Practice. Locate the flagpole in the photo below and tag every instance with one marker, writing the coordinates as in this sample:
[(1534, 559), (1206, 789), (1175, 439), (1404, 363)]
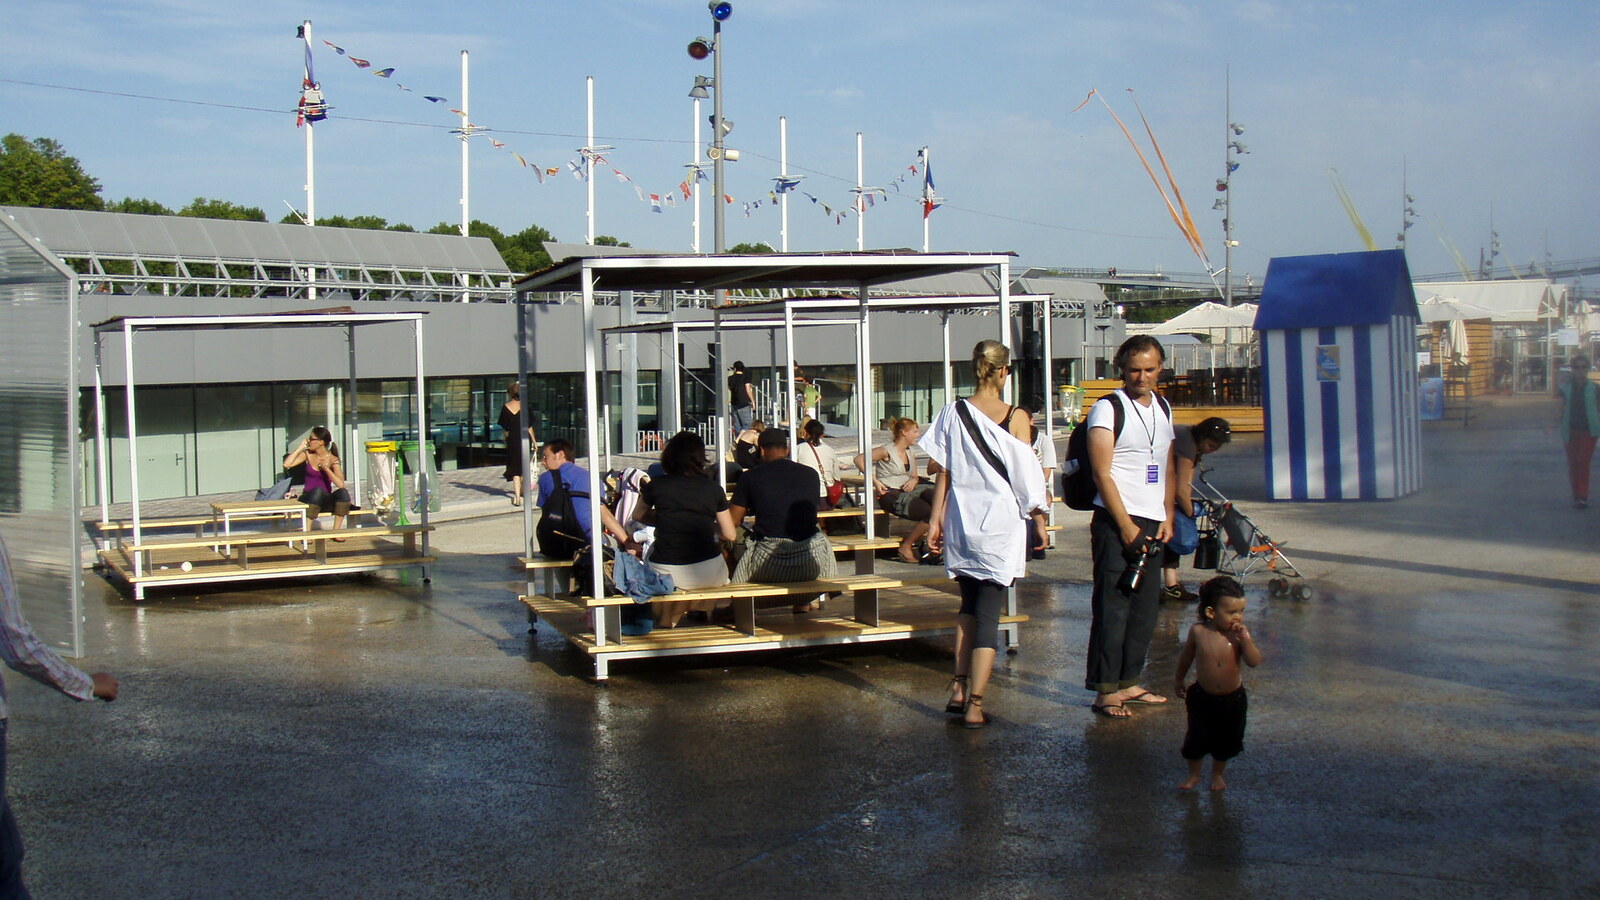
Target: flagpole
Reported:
[(311, 167), (588, 157), (925, 216), (783, 173), (466, 133), (861, 202), (694, 175)]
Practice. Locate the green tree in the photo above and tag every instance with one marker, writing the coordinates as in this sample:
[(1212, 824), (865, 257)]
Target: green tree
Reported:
[(371, 223), (142, 205), (40, 173), (207, 208), (606, 240), (751, 248), (524, 251)]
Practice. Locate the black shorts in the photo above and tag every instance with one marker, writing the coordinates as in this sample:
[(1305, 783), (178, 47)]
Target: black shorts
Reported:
[(1216, 724)]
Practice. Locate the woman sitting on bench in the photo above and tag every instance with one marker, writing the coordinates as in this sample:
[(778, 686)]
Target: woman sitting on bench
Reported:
[(898, 487), (690, 513), (324, 489)]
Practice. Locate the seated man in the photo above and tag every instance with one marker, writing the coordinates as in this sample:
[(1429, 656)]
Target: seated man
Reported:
[(785, 544), (558, 538)]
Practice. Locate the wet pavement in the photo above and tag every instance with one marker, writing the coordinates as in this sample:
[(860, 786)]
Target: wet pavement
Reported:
[(1426, 725)]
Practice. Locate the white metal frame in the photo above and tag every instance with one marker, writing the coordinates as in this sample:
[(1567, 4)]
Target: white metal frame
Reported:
[(804, 270), (128, 326)]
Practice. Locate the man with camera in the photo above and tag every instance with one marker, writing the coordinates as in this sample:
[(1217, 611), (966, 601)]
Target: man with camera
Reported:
[(1130, 456)]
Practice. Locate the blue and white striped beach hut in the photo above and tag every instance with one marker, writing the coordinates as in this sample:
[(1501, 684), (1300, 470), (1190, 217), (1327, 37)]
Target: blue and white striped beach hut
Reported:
[(1339, 376)]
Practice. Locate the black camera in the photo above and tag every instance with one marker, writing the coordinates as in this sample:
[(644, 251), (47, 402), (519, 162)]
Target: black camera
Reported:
[(1133, 575)]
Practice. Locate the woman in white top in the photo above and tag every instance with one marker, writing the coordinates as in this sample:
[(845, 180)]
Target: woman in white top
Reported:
[(988, 487), (814, 454)]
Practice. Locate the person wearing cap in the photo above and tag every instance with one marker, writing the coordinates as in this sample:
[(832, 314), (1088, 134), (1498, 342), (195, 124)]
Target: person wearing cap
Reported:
[(1580, 426), (784, 544), (1190, 444)]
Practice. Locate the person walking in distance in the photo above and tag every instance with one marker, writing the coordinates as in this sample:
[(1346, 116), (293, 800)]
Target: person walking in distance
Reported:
[(1580, 426)]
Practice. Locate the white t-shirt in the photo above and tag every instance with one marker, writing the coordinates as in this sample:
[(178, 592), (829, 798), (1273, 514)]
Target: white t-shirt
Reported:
[(1145, 441), (1045, 450)]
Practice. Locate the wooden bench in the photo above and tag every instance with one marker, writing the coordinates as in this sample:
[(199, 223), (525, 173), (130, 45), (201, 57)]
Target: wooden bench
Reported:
[(885, 607), (1242, 419), (266, 554), (556, 573)]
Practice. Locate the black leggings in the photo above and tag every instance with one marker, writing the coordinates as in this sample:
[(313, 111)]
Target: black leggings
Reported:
[(983, 601), (337, 502)]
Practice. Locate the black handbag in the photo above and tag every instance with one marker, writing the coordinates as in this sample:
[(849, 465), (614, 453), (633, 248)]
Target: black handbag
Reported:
[(1208, 549)]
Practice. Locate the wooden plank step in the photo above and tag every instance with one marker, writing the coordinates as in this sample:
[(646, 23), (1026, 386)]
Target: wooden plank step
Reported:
[(219, 570), (277, 536)]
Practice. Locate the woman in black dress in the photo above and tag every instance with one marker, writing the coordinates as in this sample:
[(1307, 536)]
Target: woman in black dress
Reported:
[(516, 455)]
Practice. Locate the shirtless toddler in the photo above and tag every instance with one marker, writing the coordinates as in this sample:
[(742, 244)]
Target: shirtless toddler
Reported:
[(1216, 701)]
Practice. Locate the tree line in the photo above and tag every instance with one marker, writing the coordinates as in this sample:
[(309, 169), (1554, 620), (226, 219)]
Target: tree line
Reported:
[(40, 173)]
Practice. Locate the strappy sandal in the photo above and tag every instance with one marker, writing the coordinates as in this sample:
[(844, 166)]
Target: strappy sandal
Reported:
[(975, 700), (956, 708)]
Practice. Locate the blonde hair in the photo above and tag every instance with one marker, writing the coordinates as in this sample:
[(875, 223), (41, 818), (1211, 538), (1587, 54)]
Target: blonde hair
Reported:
[(514, 391), (988, 359)]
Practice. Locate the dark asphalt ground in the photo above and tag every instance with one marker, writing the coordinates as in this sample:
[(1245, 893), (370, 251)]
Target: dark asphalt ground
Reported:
[(1428, 725)]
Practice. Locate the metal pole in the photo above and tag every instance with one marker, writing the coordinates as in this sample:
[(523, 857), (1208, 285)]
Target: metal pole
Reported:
[(588, 163), (353, 421), (949, 376), (133, 439), (718, 367), (791, 405), (718, 233), (694, 177), (783, 171), (861, 197), (1005, 317), (311, 181), (424, 488), (102, 462), (864, 405), (522, 423), (591, 423), (466, 133), (1227, 194), (925, 218)]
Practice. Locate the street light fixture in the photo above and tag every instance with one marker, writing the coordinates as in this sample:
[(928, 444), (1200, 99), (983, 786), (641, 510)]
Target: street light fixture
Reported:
[(699, 49)]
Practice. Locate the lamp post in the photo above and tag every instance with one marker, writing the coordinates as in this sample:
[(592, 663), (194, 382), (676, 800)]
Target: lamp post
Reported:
[(1230, 164), (700, 48)]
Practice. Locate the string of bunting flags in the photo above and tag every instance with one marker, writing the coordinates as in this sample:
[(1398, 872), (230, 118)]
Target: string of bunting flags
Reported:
[(313, 108)]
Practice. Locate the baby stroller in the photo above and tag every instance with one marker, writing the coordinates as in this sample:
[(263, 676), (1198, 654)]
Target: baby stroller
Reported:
[(1249, 549)]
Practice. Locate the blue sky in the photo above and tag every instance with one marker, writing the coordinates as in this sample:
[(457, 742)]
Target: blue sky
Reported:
[(1493, 107)]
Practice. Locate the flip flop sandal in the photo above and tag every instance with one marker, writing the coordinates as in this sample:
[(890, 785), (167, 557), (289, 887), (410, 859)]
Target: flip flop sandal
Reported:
[(1140, 698), (1106, 711)]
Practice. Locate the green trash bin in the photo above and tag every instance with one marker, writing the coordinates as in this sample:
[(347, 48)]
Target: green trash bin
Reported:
[(417, 459)]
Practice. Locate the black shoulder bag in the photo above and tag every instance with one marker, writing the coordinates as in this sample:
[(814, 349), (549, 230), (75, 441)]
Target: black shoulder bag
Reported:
[(983, 445)]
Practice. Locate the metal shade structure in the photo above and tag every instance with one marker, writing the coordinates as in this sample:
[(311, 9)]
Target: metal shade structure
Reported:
[(852, 273), (128, 326)]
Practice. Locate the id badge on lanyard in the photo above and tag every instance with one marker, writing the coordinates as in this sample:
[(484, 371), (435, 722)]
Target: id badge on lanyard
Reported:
[(1152, 474)]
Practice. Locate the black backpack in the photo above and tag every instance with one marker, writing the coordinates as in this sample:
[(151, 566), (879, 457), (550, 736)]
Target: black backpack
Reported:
[(559, 531), (1078, 489)]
